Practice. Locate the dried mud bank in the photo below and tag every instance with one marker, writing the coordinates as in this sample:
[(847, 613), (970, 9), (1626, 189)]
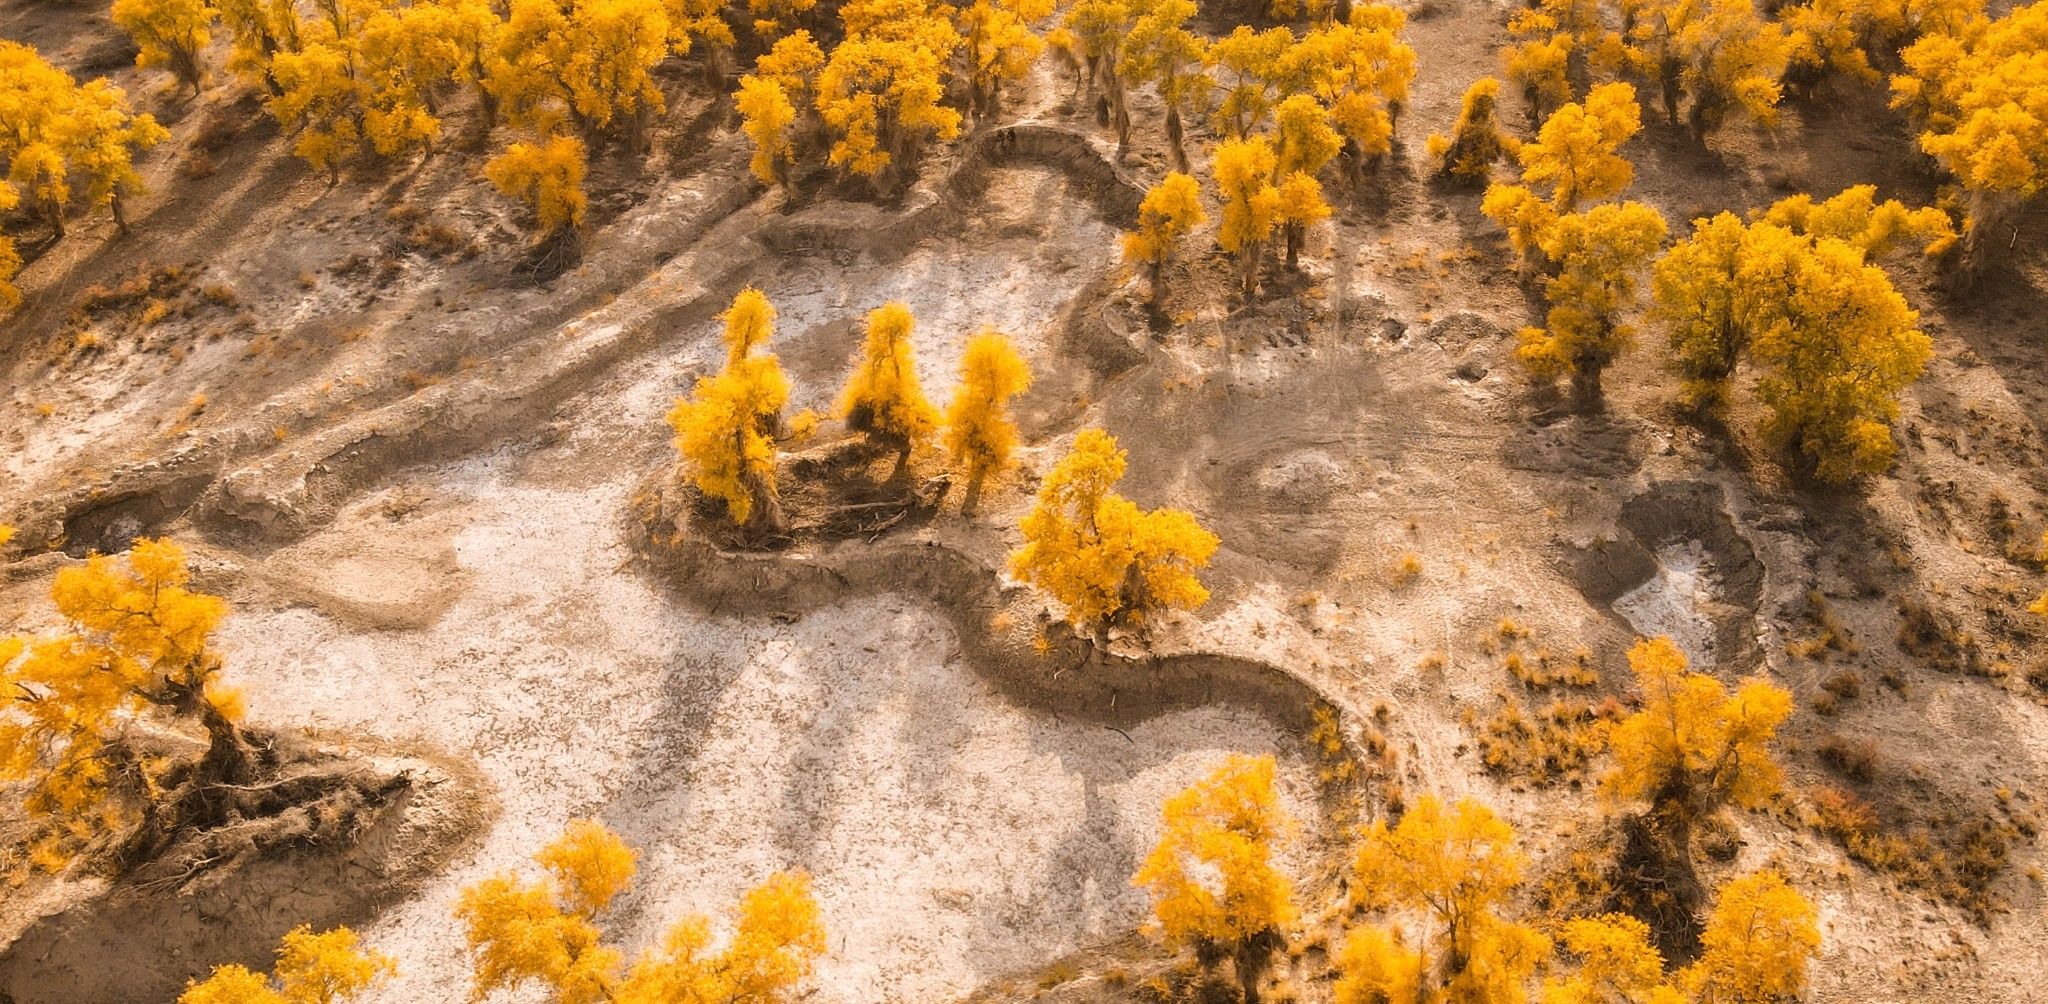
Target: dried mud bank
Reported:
[(141, 937), (1003, 631)]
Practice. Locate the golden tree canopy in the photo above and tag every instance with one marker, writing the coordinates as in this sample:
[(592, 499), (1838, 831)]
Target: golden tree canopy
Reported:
[(1212, 875), (980, 436), (325, 968), (883, 398), (1097, 553)]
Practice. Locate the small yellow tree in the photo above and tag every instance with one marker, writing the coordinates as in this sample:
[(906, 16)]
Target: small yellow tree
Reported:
[(766, 115), (169, 33), (545, 932), (1212, 876), (725, 431), (1101, 29), (1757, 943), (137, 644), (980, 434), (881, 90), (411, 54), (1698, 300), (1598, 255), (590, 64), (1361, 70), (1171, 210), (1243, 169), (1690, 749), (320, 98), (1476, 141), (63, 143), (1101, 556), (1723, 54), (1303, 140), (1838, 345), (1301, 206), (1252, 64), (325, 968), (883, 399), (548, 177), (1160, 50), (1449, 870)]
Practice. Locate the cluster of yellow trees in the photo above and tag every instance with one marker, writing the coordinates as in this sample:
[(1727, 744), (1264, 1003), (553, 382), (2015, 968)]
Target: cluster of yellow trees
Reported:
[(728, 428), (880, 91), (1974, 83), (1289, 107), (1430, 888), (347, 77), (62, 145), (544, 933), (1096, 552), (1792, 289), (1980, 89)]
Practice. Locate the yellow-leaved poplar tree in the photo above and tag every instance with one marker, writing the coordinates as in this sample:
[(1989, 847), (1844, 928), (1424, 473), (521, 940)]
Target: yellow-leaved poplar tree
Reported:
[(545, 932), (1171, 210), (1100, 30), (1575, 151), (1689, 749), (1476, 140), (883, 399), (880, 92), (1838, 345), (410, 55), (320, 99), (1757, 943), (1301, 206), (1243, 169), (1161, 51), (725, 430), (1252, 68), (766, 115), (325, 968), (548, 177), (1598, 255), (590, 63), (1724, 55), (1212, 876), (980, 435), (137, 643), (172, 34), (1437, 880), (1104, 559)]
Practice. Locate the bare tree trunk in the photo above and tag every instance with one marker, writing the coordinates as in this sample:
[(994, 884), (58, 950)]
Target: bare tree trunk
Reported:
[(1174, 138)]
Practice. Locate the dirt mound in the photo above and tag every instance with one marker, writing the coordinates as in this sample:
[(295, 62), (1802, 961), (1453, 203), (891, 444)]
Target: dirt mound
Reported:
[(143, 936)]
